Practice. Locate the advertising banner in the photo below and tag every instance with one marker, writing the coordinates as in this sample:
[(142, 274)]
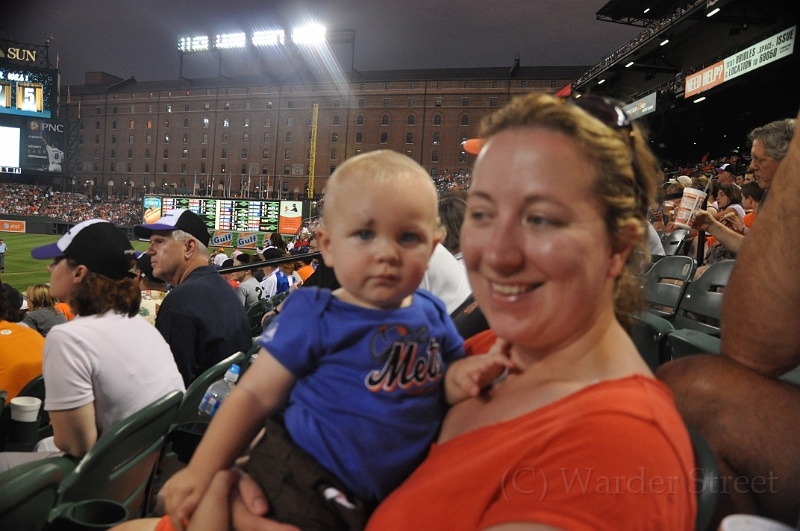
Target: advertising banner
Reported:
[(43, 142), (7, 225), (291, 217), (704, 79), (762, 53), (639, 108), (152, 209), (221, 238), (247, 240)]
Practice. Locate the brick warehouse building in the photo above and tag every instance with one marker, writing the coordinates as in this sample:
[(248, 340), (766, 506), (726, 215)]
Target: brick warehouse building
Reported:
[(253, 132)]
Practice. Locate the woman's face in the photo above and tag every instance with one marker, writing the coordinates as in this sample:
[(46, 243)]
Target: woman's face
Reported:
[(61, 279), (722, 200), (534, 240)]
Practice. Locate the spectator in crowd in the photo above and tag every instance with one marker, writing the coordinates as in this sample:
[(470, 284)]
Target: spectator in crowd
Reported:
[(42, 314), (769, 145), (153, 289), (219, 257), (451, 215), (3, 249), (229, 276), (270, 281), (736, 400), (725, 174), (249, 289), (20, 347), (108, 362), (446, 278), (751, 199), (201, 319)]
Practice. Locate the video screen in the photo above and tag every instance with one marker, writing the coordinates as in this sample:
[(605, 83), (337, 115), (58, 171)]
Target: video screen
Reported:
[(28, 92), (9, 149)]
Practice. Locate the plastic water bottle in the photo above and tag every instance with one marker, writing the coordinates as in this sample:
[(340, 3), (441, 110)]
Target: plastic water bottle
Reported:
[(218, 391)]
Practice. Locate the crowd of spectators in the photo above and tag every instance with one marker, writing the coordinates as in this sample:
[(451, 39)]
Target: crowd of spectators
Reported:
[(21, 199), (451, 182)]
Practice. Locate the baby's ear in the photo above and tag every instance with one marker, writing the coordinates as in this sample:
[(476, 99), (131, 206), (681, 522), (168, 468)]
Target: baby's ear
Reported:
[(325, 244)]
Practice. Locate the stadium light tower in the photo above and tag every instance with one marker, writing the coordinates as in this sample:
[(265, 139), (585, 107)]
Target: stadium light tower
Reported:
[(309, 34)]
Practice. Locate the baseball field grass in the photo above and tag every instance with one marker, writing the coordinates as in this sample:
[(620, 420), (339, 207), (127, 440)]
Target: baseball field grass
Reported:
[(22, 270)]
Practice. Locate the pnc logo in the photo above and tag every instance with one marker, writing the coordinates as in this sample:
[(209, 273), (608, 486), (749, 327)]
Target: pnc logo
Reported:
[(34, 125)]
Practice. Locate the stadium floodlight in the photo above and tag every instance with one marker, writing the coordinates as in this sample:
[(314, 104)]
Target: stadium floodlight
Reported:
[(230, 40), (629, 65), (698, 100), (601, 81), (310, 34), (269, 38), (665, 41), (712, 13), (193, 44)]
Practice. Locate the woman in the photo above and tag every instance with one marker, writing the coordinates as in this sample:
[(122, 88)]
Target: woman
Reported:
[(729, 201), (579, 435), (108, 362), (451, 214), (42, 314)]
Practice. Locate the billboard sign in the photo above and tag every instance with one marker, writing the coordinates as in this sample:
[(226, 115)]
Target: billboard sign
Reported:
[(44, 140), (639, 108)]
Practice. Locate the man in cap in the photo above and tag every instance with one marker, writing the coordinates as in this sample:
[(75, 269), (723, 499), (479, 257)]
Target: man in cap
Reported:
[(201, 319), (725, 174)]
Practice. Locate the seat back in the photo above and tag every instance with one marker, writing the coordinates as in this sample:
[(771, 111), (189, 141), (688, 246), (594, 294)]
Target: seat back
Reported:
[(119, 465), (255, 313), (701, 305), (187, 411), (647, 333), (707, 478), (27, 494), (665, 284), (673, 244), (687, 342)]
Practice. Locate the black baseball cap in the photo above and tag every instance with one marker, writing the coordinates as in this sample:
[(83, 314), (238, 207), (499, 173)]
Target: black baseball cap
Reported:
[(96, 243), (177, 219)]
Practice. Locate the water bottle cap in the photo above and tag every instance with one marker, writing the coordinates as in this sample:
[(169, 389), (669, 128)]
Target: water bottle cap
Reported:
[(234, 369), (232, 373)]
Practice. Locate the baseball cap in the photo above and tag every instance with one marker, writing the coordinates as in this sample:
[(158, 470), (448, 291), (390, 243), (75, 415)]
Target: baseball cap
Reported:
[(177, 219), (725, 167), (97, 244)]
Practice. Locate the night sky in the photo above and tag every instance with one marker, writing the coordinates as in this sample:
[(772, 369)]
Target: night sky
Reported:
[(139, 38)]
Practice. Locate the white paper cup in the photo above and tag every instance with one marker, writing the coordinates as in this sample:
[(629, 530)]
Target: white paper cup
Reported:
[(25, 408), (692, 199), (747, 522)]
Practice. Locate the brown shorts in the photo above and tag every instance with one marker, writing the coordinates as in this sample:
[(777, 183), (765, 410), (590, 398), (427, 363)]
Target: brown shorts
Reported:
[(296, 486)]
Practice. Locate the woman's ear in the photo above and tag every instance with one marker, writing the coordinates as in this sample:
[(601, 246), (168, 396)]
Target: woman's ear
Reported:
[(622, 248), (79, 273)]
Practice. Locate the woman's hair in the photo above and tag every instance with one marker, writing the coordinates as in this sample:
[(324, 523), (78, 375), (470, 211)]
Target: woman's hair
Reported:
[(625, 183), (39, 297), (277, 241), (451, 215), (96, 294), (733, 193)]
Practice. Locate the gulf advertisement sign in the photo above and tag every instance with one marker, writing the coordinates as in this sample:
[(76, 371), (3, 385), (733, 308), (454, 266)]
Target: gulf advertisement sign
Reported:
[(247, 240), (221, 238), (291, 217)]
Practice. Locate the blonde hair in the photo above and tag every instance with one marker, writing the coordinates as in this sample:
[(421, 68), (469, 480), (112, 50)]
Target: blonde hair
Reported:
[(380, 167), (625, 183), (39, 297)]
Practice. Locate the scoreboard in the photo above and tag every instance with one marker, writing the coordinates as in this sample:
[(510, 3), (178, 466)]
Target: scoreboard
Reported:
[(244, 215), (28, 92)]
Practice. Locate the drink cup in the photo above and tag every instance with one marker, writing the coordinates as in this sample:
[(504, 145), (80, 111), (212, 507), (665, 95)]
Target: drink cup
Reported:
[(25, 408), (747, 522), (691, 201)]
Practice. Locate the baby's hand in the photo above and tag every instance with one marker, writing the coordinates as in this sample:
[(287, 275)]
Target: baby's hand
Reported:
[(182, 494), (466, 377)]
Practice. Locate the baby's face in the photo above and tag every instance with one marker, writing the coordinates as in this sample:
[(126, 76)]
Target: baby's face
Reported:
[(378, 239)]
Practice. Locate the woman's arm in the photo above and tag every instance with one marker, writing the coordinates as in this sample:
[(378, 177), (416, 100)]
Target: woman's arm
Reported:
[(74, 430)]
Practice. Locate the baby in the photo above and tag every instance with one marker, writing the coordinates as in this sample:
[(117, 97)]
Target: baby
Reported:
[(362, 372)]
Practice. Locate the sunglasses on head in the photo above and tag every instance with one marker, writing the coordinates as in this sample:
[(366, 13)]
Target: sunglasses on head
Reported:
[(604, 109)]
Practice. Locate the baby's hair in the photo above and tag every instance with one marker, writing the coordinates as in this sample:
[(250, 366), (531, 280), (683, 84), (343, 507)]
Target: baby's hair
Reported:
[(380, 167)]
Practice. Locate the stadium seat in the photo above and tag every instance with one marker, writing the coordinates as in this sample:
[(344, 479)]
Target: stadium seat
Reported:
[(647, 333), (674, 243), (28, 493), (255, 313), (686, 342), (663, 297), (701, 304), (707, 478), (121, 463)]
